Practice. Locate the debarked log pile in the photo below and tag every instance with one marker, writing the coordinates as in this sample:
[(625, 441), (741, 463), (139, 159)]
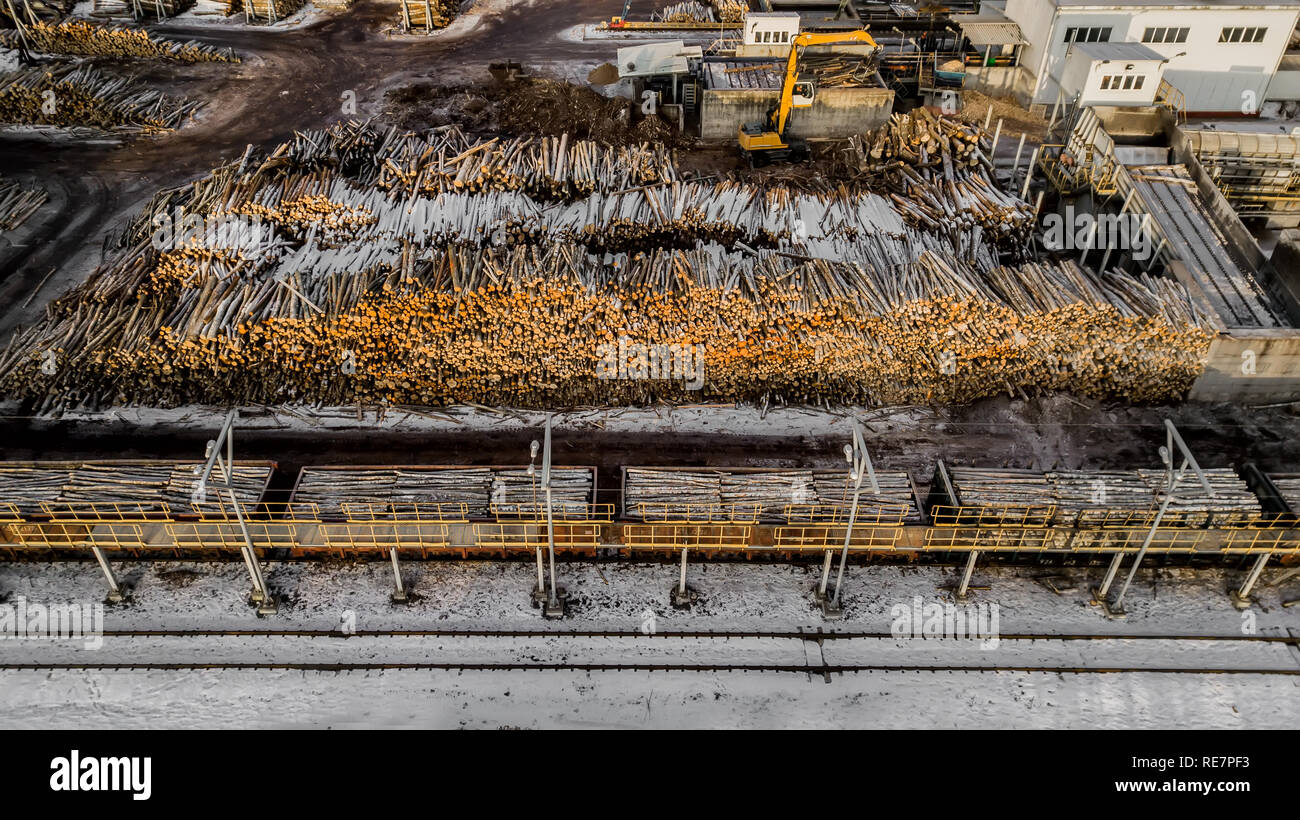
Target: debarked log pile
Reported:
[(347, 267), (81, 37), (80, 96)]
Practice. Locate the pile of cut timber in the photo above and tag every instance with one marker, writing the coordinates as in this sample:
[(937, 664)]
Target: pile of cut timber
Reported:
[(479, 488), (1231, 493), (766, 493), (139, 9), (85, 38), (428, 15), (28, 12), (984, 487), (938, 171), (147, 484), (685, 12), (1288, 486), (81, 96), (730, 11), (18, 203), (270, 11), (345, 268)]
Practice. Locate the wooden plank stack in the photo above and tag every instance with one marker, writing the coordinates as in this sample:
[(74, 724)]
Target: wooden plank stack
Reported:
[(81, 37)]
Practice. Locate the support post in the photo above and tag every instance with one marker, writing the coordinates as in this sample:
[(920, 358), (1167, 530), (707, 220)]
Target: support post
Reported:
[(826, 577), (1029, 173), (1241, 597), (1015, 166), (399, 591), (115, 595), (964, 588), (682, 596)]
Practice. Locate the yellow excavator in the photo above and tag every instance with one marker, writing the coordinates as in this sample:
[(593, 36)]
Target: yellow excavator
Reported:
[(764, 142)]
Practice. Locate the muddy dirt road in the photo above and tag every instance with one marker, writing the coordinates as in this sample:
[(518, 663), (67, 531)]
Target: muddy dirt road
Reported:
[(288, 80)]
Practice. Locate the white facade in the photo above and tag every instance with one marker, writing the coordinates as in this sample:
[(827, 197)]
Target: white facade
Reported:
[(771, 28), (1107, 74), (1221, 54)]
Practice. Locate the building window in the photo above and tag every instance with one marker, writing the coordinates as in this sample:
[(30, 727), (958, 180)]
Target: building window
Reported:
[(1165, 35), (1122, 82), (1091, 34), (1242, 35), (785, 36)]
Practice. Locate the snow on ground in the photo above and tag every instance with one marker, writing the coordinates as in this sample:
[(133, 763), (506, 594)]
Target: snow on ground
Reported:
[(494, 595)]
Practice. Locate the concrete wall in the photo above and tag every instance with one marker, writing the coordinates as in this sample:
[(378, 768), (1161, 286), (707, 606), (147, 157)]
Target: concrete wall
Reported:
[(1001, 81), (836, 112), (1251, 366)]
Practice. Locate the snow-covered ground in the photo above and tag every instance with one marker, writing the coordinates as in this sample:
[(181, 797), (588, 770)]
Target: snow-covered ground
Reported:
[(625, 597)]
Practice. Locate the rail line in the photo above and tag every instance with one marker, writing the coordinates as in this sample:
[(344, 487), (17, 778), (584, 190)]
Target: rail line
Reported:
[(813, 636), (825, 670)]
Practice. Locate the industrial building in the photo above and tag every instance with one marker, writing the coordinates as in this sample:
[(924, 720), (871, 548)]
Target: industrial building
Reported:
[(1212, 62)]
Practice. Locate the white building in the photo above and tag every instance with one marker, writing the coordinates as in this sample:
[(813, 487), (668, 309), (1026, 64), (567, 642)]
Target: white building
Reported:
[(1119, 74), (1221, 54)]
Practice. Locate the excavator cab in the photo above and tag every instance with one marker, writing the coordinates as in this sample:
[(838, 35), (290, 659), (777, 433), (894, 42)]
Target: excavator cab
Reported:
[(801, 96)]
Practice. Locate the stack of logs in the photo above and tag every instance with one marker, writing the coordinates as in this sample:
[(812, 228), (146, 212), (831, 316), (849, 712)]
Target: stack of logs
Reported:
[(938, 171), (730, 11), (78, 95), (689, 11), (428, 15), (18, 203), (349, 292), (27, 12), (81, 37), (270, 11), (139, 9)]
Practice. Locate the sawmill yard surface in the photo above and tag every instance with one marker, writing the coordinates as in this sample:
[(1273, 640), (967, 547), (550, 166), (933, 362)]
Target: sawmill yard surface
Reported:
[(624, 598), (296, 78)]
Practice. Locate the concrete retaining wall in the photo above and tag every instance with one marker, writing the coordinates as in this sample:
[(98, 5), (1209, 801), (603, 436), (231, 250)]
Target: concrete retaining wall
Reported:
[(836, 113), (1251, 366), (1000, 81)]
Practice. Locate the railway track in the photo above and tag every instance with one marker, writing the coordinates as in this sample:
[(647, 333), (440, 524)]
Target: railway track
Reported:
[(805, 635), (828, 653), (825, 670)]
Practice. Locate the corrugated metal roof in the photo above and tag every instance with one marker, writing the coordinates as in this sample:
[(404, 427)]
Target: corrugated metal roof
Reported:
[(724, 74), (1118, 51), (993, 34)]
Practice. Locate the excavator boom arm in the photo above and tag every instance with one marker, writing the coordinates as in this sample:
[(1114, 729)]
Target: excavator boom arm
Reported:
[(781, 117)]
